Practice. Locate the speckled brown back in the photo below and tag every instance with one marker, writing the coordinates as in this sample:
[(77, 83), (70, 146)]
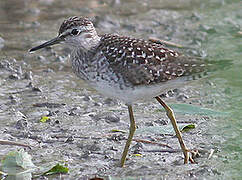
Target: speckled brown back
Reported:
[(142, 62)]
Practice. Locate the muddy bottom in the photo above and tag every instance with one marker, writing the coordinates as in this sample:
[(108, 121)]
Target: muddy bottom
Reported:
[(89, 131)]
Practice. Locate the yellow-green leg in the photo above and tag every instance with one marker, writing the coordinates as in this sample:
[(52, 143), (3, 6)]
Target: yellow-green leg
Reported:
[(131, 134), (171, 116)]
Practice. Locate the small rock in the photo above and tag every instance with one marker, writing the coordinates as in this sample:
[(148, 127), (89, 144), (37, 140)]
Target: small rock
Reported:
[(49, 105), (87, 98), (36, 89), (30, 85), (19, 70), (48, 70), (207, 29), (161, 121), (57, 122), (109, 101), (41, 58), (60, 59), (75, 111), (13, 99), (21, 124), (97, 104), (112, 118), (52, 113), (137, 148), (94, 147), (69, 139), (107, 116), (149, 124), (28, 75), (14, 76), (117, 137), (182, 97)]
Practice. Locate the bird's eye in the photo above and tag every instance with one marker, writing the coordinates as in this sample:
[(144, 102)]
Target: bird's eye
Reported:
[(75, 32)]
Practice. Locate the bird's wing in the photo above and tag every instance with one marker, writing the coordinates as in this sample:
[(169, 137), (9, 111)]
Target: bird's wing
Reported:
[(142, 62)]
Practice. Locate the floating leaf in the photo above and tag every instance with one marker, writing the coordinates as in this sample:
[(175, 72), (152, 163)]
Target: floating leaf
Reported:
[(57, 169), (187, 127), (44, 119)]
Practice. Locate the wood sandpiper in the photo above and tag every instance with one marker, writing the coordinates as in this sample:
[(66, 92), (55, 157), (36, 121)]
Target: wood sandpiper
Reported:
[(126, 68)]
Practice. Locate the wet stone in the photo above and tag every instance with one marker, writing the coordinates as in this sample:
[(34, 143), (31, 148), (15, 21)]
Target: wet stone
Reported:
[(41, 58), (109, 101), (14, 76), (112, 118), (30, 85), (19, 70), (108, 117), (75, 111), (21, 124), (28, 75), (149, 124), (48, 70), (182, 97), (36, 89), (5, 64), (53, 113), (94, 147), (161, 122), (49, 105), (57, 122), (207, 29), (137, 148), (97, 104), (87, 98), (117, 137), (69, 139), (13, 99), (60, 59)]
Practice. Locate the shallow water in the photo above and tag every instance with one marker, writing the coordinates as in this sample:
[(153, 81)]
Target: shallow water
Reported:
[(206, 28)]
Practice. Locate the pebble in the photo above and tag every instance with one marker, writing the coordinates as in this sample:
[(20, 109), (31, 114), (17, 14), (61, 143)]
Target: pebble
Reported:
[(112, 118), (182, 97), (41, 58), (60, 59), (137, 148), (109, 101), (161, 121), (36, 89), (14, 76), (87, 98), (75, 111), (19, 70), (69, 139), (30, 85), (21, 124), (28, 75), (108, 117)]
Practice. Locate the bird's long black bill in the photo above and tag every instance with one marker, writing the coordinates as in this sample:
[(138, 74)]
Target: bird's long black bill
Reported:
[(46, 44)]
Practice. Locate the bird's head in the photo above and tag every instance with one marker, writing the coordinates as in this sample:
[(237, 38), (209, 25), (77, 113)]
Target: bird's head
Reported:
[(75, 32)]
